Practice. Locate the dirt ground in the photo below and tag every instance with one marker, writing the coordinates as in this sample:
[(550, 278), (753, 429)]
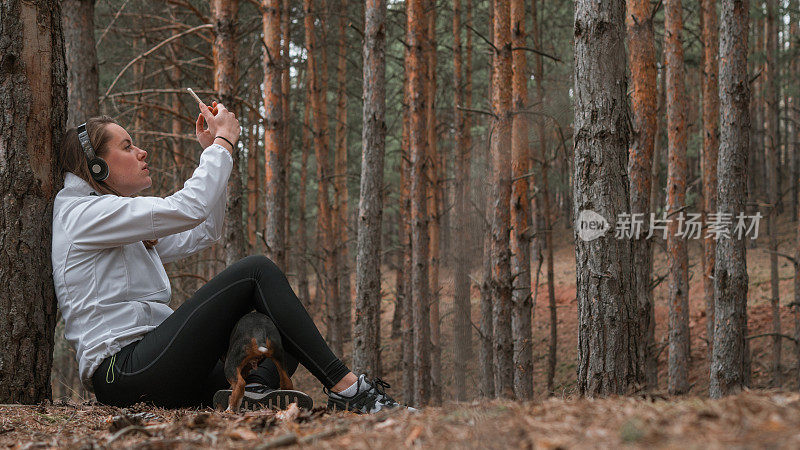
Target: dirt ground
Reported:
[(749, 420), (757, 418)]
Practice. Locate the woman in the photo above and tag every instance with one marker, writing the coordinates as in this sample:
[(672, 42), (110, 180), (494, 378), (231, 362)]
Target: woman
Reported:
[(108, 253)]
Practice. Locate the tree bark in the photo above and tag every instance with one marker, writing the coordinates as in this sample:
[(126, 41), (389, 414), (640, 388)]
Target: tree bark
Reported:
[(322, 152), (608, 358), (225, 83), (419, 212), (545, 210), (771, 156), (302, 221), (79, 48), (501, 198), (77, 17), (286, 91), (434, 171), (710, 152), (728, 365), (520, 212), (274, 141), (462, 325), (407, 303), (486, 350), (343, 320), (253, 196), (642, 57), (370, 204), (677, 255), (33, 84)]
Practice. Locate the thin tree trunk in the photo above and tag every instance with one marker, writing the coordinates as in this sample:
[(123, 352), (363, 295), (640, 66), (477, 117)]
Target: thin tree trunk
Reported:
[(343, 321), (286, 91), (501, 198), (728, 365), (225, 83), (545, 209), (322, 151), (82, 88), (462, 325), (793, 70), (407, 304), (33, 84), (81, 58), (797, 288), (520, 213), (434, 198), (302, 234), (368, 277), (274, 142), (252, 181), (417, 100), (679, 352), (642, 57), (771, 156), (608, 357), (710, 153), (486, 351)]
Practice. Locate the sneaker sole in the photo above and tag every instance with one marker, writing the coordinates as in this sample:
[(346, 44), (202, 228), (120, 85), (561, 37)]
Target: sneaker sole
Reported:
[(278, 399)]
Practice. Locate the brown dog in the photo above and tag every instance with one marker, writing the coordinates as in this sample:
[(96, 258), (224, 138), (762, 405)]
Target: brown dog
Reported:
[(254, 338)]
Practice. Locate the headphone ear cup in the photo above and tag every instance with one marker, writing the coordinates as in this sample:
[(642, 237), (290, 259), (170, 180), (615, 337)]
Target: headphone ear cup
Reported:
[(98, 168)]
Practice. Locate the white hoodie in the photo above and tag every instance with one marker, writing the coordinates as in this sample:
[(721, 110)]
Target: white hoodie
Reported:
[(111, 289)]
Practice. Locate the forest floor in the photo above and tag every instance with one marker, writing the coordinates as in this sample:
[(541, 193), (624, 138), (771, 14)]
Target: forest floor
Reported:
[(758, 418)]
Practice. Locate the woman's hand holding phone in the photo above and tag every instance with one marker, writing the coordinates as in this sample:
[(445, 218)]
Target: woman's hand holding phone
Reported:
[(220, 123)]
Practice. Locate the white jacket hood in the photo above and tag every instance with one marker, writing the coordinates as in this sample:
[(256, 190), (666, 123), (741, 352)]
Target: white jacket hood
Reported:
[(111, 289)]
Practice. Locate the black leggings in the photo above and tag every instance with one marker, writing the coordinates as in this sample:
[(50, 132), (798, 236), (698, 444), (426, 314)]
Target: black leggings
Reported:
[(177, 364)]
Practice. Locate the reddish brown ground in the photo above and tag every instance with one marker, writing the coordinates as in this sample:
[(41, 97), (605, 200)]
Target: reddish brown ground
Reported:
[(752, 419)]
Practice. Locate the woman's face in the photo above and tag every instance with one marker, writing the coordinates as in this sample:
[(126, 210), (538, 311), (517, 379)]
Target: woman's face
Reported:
[(128, 172)]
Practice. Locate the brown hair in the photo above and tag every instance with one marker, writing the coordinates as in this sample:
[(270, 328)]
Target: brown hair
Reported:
[(71, 157)]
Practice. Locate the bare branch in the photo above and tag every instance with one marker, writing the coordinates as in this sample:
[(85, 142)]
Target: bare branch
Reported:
[(159, 45)]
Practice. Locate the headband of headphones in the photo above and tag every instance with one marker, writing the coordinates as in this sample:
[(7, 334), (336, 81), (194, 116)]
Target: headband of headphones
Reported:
[(97, 166)]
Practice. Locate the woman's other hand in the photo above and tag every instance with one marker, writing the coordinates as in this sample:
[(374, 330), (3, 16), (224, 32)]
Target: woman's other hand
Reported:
[(220, 122)]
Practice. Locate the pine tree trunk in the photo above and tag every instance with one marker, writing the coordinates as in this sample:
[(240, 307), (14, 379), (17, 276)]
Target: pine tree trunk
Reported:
[(462, 325), (302, 234), (642, 57), (433, 169), (407, 340), (316, 68), (274, 142), (771, 156), (486, 350), (608, 357), (501, 200), (225, 83), (343, 320), (368, 258), (33, 84), (792, 143), (677, 255), (252, 182), (418, 136), (286, 90), (545, 211), (710, 153), (520, 212), (79, 48), (729, 371), (77, 18)]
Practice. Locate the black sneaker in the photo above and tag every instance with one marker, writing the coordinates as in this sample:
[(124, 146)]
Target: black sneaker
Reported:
[(371, 397), (260, 397)]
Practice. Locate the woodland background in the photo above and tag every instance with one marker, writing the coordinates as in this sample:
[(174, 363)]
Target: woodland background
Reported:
[(425, 215)]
